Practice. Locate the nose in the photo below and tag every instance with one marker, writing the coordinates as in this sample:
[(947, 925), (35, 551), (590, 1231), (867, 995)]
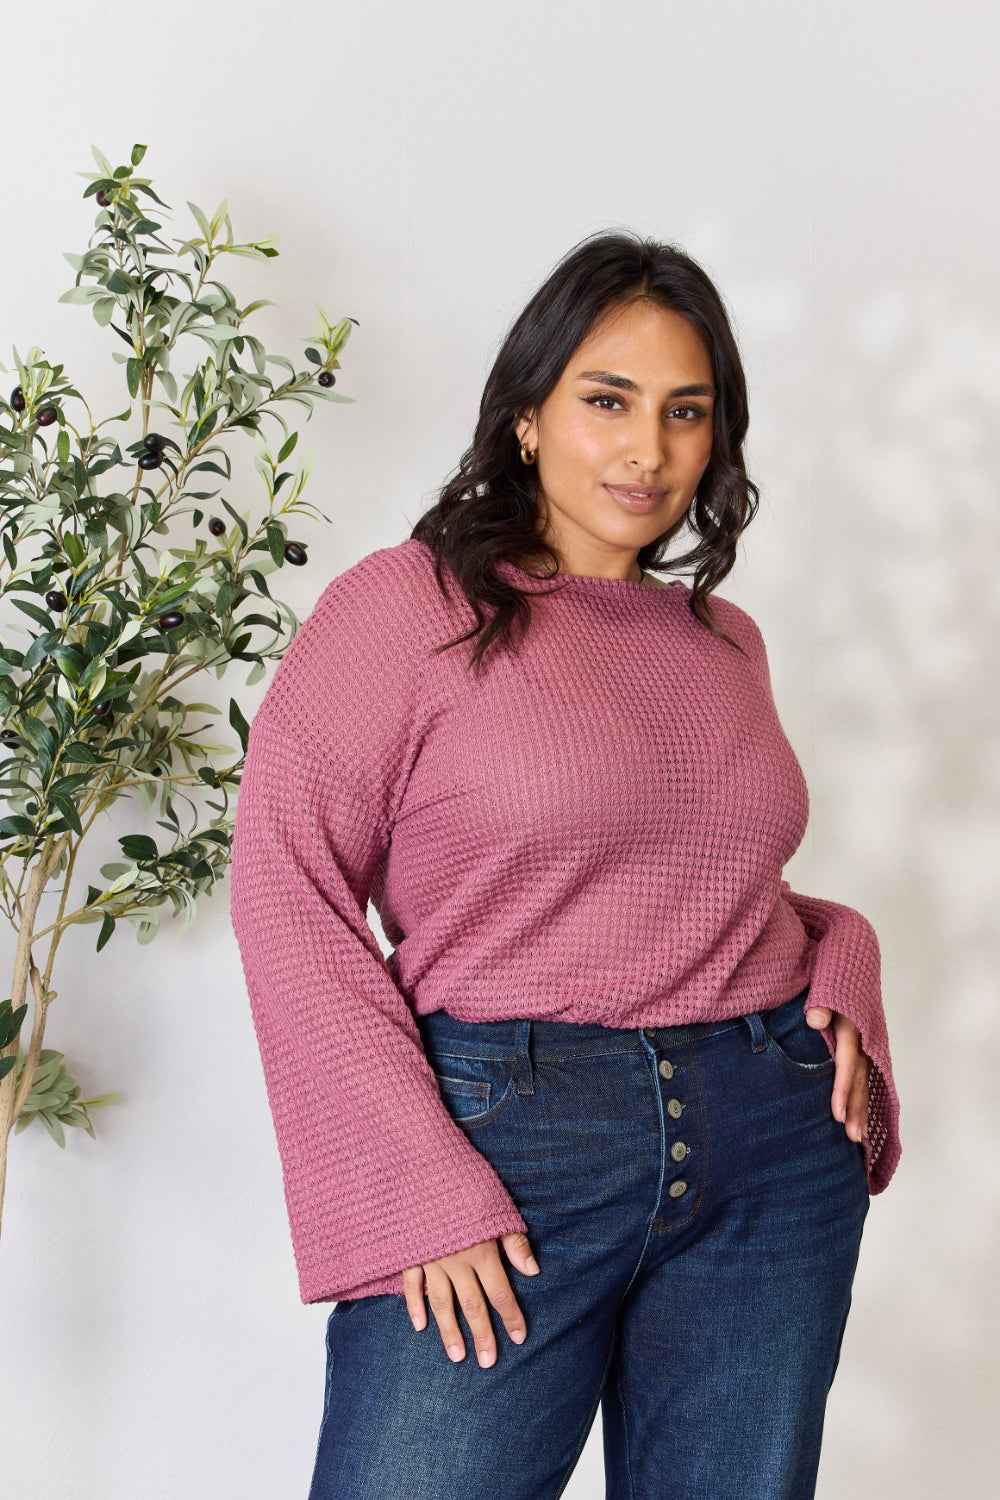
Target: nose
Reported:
[(647, 444)]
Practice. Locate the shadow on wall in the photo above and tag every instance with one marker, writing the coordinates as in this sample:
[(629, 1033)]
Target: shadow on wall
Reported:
[(907, 813)]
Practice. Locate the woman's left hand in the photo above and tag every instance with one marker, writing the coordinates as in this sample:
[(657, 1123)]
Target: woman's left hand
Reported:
[(850, 1083)]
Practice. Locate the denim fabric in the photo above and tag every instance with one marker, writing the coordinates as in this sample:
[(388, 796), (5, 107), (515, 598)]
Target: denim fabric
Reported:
[(696, 1212)]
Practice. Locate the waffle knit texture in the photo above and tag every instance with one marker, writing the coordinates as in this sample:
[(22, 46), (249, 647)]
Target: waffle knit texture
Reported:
[(594, 830)]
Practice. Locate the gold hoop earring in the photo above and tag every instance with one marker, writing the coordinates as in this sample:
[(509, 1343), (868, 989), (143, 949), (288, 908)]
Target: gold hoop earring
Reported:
[(527, 455)]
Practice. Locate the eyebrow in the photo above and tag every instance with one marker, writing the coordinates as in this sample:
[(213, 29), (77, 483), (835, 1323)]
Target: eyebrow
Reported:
[(623, 383)]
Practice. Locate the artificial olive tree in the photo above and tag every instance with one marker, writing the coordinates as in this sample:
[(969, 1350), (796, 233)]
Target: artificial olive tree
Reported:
[(125, 573)]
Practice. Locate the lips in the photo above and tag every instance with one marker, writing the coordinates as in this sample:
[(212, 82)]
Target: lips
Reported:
[(638, 498)]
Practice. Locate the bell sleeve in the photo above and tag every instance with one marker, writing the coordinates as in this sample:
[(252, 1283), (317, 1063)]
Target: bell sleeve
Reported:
[(377, 1175), (846, 977)]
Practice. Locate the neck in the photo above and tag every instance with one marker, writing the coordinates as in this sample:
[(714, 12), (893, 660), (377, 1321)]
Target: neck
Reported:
[(635, 574)]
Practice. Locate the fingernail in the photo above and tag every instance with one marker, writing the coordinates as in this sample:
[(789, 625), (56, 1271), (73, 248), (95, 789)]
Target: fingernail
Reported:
[(486, 1358), (417, 1324), (455, 1351), (532, 1265), (518, 1335)]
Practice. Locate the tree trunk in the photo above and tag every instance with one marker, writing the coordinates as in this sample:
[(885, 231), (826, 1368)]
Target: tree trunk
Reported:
[(24, 966)]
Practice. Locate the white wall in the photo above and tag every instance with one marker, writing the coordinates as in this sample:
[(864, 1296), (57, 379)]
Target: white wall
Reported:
[(833, 165)]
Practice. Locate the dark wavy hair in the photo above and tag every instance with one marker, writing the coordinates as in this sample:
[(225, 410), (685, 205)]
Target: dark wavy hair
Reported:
[(489, 509)]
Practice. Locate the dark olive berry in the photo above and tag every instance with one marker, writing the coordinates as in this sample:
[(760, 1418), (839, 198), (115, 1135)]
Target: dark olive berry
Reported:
[(170, 620), (47, 416), (156, 770), (102, 709), (10, 736), (17, 398), (294, 553), (153, 442), (56, 599), (217, 527), (103, 199), (31, 808), (326, 377), (150, 460)]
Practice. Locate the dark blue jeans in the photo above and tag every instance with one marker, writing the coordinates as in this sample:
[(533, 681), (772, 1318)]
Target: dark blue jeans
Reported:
[(696, 1212)]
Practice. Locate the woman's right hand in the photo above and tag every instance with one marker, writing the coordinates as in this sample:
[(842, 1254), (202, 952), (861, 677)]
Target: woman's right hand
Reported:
[(477, 1276)]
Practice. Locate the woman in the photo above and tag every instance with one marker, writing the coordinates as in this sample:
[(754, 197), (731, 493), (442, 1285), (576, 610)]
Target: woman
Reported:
[(618, 1096)]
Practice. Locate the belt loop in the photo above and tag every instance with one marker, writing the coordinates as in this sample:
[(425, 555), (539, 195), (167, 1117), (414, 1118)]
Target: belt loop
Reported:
[(757, 1031), (523, 1074)]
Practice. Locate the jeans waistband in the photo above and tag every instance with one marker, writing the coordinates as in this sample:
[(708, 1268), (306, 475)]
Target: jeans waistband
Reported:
[(523, 1037)]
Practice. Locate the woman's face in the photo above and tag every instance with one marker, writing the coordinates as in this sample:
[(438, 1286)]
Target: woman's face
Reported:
[(623, 438)]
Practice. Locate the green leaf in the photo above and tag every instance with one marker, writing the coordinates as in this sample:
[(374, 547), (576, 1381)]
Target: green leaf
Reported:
[(6, 1063), (10, 1022), (53, 1126), (202, 221), (16, 826), (38, 615), (287, 447), (238, 519), (69, 659), (69, 812), (107, 928), (210, 467), (276, 544), (143, 187), (139, 846), (78, 751), (259, 580), (39, 734), (118, 284), (62, 446), (239, 723), (82, 294), (138, 152), (133, 374)]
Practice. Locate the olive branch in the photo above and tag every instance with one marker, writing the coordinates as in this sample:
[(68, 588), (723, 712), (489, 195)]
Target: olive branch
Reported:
[(117, 621)]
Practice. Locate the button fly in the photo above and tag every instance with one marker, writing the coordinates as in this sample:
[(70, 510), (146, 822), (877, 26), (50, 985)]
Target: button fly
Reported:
[(677, 1189), (675, 1108), (666, 1069), (679, 1150)]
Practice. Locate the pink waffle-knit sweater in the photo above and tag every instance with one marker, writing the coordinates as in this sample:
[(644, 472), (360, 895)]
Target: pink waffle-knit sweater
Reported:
[(594, 830)]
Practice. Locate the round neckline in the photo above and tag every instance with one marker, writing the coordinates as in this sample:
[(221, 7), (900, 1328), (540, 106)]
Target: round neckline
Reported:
[(591, 580)]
